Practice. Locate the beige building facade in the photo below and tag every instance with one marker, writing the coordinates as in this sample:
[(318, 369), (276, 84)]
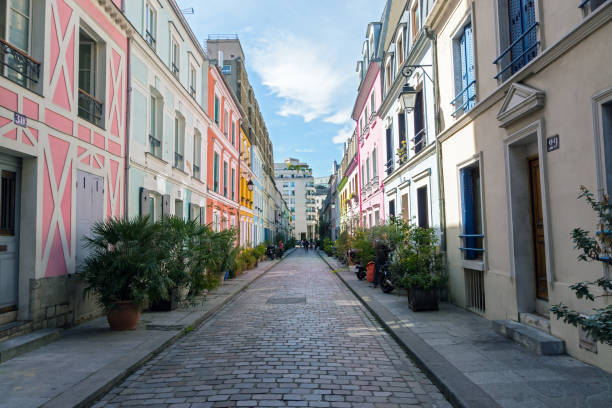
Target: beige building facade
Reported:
[(524, 121)]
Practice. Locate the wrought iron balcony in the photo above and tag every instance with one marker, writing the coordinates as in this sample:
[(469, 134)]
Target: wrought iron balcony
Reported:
[(178, 161), (390, 166), (519, 61), (196, 171), (419, 141), (192, 91), (90, 108), (464, 100), (175, 70), (155, 146), (18, 66), (150, 39)]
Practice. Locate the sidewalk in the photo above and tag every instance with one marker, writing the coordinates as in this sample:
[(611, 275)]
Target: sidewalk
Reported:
[(90, 359), (473, 365)]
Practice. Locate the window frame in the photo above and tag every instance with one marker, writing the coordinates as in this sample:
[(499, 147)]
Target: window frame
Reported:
[(460, 86), (150, 30), (179, 141), (175, 56)]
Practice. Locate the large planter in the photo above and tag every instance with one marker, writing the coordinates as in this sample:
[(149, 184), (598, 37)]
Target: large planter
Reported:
[(423, 299), (124, 315)]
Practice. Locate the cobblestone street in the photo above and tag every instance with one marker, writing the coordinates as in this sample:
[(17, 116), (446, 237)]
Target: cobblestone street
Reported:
[(296, 337)]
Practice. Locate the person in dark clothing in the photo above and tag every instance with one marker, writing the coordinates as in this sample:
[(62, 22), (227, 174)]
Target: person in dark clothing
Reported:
[(306, 244), (381, 251)]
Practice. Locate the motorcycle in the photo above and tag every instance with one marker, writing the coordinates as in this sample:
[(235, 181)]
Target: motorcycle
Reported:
[(361, 270), (270, 252), (386, 282)]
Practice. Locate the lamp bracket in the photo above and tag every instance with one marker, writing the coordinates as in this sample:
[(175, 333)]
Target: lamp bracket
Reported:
[(408, 70)]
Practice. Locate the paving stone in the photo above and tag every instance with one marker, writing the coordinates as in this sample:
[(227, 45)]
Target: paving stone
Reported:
[(325, 351)]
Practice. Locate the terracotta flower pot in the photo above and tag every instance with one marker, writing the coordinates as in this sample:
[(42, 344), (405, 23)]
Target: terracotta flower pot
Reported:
[(124, 315)]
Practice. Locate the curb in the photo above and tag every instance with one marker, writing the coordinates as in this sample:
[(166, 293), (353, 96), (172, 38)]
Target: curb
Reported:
[(460, 391), (103, 380)]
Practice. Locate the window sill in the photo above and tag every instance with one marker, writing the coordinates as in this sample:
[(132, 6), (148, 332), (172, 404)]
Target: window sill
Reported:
[(181, 171), (477, 265), (150, 155)]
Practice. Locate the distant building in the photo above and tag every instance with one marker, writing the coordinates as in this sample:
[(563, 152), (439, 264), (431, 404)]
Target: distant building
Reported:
[(296, 184)]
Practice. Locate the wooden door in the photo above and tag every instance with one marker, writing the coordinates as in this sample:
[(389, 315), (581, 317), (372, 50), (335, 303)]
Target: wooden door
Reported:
[(537, 227), (89, 210)]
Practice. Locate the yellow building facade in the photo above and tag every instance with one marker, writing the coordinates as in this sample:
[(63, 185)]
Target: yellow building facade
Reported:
[(246, 191)]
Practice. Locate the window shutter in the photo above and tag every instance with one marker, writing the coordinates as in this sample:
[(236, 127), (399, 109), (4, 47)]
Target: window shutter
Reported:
[(467, 205), (516, 30), (469, 65), (144, 202), (464, 68), (166, 204)]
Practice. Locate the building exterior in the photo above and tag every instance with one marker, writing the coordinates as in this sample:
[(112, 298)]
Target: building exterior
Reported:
[(349, 191), (246, 191), (168, 127), (370, 129), (411, 176), (517, 140), (62, 147), (222, 153), (297, 189), (258, 196)]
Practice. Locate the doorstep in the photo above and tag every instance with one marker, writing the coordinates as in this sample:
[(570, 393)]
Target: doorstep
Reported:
[(474, 366), (89, 359)]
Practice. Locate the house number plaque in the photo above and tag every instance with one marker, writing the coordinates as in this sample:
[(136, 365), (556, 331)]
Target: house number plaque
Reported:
[(20, 120), (552, 143)]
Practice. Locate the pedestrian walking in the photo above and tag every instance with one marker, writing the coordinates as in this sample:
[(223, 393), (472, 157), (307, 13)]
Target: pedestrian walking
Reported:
[(306, 245)]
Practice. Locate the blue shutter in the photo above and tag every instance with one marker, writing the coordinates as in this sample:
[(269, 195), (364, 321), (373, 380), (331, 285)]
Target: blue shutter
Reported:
[(467, 205), (529, 41), (464, 71), (516, 30), (469, 66)]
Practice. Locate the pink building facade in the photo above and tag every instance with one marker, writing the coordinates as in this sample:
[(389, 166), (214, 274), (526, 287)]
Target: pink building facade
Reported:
[(63, 99), (370, 132)]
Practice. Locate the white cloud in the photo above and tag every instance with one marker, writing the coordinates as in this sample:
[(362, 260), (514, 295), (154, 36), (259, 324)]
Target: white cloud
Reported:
[(298, 71), (343, 134), (340, 117), (305, 150)]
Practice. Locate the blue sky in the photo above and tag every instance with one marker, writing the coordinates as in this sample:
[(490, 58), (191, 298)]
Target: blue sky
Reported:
[(301, 57)]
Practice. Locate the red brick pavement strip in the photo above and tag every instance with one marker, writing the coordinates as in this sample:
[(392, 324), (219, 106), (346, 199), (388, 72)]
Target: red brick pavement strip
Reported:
[(457, 387)]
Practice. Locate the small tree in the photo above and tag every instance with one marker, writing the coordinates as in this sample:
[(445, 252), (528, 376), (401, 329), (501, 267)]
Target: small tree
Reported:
[(598, 248)]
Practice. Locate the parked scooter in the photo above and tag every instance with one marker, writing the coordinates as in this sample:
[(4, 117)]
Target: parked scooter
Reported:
[(270, 252), (386, 283), (361, 270)]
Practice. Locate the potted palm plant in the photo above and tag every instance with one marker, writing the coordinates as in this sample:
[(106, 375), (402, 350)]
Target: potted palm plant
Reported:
[(122, 270), (419, 262)]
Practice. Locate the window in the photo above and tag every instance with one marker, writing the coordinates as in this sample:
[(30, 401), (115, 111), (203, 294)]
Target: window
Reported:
[(216, 221), (16, 28), (216, 109), (392, 208), (372, 102), (403, 142), (150, 25), (363, 177), (197, 154), (216, 172), (155, 126), (233, 133), (399, 45), (226, 123), (179, 143), (90, 108), (192, 81), (465, 82), (471, 212), (606, 116), (233, 183), (588, 6), (419, 125), (374, 166), (178, 208), (518, 36), (175, 57), (416, 20), (422, 208), (7, 203), (376, 217), (390, 162), (405, 203), (388, 75), (225, 179)]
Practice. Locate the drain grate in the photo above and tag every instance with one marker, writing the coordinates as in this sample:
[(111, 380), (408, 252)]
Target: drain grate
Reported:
[(287, 301)]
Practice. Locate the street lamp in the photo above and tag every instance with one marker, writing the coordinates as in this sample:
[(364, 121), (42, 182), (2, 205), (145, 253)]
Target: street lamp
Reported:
[(408, 97), (250, 185)]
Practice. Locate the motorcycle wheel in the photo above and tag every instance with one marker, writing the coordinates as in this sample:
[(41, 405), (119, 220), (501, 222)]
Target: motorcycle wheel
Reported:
[(361, 275), (386, 286)]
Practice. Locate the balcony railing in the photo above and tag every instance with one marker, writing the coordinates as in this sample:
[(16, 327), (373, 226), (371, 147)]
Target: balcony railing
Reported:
[(178, 161), (90, 108), (419, 141), (518, 61), (472, 245), (390, 165), (196, 171), (155, 146), (150, 39), (192, 91), (18, 66), (464, 99), (175, 70)]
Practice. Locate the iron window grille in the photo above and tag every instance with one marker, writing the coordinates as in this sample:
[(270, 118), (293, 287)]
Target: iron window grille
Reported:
[(464, 100), (155, 146), (175, 70), (178, 161), (419, 141), (17, 66), (150, 39), (90, 108)]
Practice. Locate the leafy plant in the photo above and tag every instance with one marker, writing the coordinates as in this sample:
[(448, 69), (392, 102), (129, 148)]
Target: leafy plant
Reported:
[(123, 265), (598, 324)]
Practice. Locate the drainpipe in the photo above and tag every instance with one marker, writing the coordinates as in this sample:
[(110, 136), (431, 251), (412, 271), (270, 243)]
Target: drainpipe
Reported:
[(434, 45), (126, 178)]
